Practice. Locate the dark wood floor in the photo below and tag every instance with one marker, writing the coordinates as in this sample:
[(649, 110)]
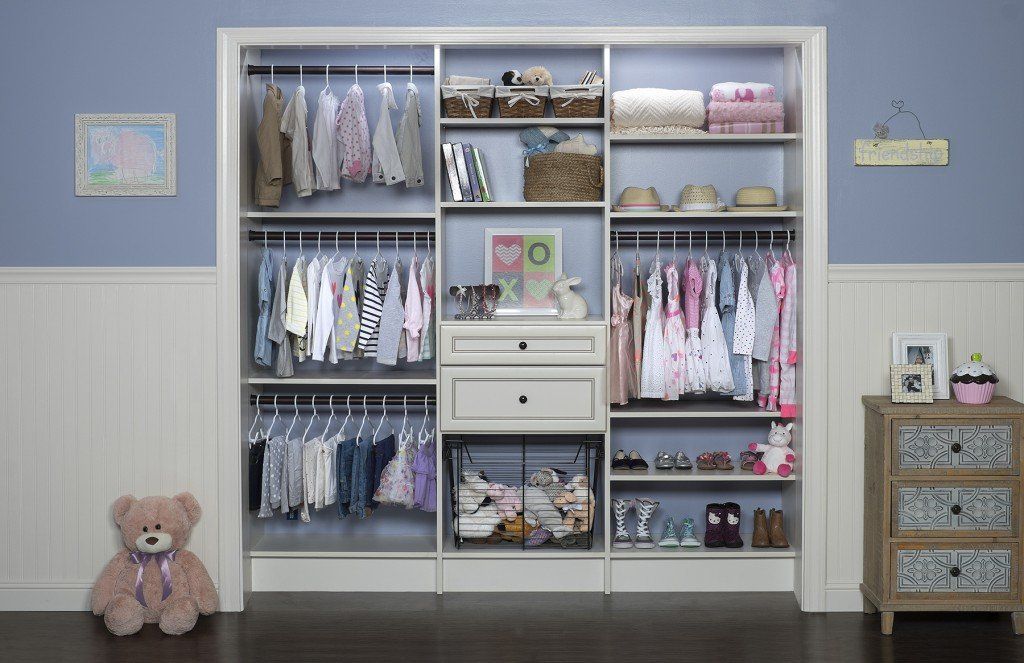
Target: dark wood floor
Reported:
[(540, 628)]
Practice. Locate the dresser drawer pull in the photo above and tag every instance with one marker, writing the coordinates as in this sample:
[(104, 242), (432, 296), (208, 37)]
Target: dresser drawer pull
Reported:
[(956, 448), (955, 571), (955, 509), (523, 398), (522, 345)]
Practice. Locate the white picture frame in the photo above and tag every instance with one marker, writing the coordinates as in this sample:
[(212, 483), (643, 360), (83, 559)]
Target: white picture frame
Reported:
[(928, 348), (525, 290), (126, 154)]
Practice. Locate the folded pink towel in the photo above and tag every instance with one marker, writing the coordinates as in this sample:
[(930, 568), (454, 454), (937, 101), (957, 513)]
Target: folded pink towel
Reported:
[(743, 92), (746, 127), (754, 111)]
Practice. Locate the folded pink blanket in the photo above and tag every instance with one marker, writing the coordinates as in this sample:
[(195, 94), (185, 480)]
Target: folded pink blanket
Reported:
[(746, 127), (754, 111), (743, 92)]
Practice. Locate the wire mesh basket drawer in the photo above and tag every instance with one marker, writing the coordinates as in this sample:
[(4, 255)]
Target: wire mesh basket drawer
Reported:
[(526, 492)]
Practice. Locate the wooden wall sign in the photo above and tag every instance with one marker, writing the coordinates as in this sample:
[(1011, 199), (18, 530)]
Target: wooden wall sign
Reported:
[(883, 151)]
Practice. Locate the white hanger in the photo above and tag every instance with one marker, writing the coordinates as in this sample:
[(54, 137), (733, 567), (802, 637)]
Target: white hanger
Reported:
[(300, 75), (673, 247), (385, 73), (788, 236), (426, 415), (405, 413), (348, 416), (706, 255), (363, 422), (383, 419), (330, 403), (428, 244), (271, 74), (300, 245), (295, 418), (318, 251), (410, 73), (327, 77), (357, 74), (260, 434), (315, 417)]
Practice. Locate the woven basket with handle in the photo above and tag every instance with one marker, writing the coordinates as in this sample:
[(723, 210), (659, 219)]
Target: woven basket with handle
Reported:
[(467, 101), (577, 100), (521, 101), (558, 177)]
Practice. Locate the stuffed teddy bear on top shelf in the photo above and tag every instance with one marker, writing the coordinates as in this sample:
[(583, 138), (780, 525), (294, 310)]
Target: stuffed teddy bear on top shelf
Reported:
[(154, 580)]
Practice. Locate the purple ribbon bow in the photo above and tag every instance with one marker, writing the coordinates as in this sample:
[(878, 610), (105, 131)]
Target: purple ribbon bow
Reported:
[(164, 559)]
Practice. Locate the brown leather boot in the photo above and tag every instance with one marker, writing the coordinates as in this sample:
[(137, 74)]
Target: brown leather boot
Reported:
[(760, 537), (775, 530)]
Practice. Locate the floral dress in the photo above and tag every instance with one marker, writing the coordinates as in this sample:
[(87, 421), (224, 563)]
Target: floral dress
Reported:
[(696, 375), (396, 481), (743, 332), (712, 336), (675, 338), (622, 371), (652, 378)]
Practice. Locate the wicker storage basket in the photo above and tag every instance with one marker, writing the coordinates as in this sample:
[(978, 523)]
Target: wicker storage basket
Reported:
[(521, 100), (558, 177), (467, 100), (577, 100)]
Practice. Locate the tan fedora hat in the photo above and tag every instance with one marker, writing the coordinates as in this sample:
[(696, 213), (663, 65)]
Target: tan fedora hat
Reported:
[(635, 199), (756, 199), (696, 199)]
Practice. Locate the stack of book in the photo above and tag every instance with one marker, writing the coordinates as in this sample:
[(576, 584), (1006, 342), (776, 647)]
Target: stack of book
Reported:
[(466, 174)]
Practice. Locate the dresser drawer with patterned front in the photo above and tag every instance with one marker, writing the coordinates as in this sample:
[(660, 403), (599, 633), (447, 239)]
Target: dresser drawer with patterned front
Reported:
[(956, 447), (970, 508), (968, 571)]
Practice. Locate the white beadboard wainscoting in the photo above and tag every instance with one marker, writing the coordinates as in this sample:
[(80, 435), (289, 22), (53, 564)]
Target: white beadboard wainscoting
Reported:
[(980, 307), (109, 388)]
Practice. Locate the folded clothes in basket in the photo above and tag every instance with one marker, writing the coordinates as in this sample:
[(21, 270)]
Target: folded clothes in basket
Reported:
[(653, 107), (755, 111), (774, 127)]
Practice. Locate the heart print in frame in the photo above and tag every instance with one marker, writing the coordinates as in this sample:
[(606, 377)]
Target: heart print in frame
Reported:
[(524, 263)]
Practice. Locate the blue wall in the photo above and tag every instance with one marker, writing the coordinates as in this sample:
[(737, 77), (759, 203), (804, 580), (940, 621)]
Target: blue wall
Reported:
[(959, 64)]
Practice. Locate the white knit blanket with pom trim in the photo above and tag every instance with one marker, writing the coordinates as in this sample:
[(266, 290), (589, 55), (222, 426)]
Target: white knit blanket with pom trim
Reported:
[(656, 107)]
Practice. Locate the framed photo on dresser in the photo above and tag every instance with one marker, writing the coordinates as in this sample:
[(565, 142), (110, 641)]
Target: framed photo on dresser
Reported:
[(524, 263), (925, 348)]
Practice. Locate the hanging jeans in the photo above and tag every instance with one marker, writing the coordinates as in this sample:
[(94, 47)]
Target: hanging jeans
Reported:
[(345, 452), (362, 459)]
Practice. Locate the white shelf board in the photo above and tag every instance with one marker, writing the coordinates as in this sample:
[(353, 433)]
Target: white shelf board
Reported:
[(703, 553), (703, 138), (511, 204), (519, 320), (494, 122), (702, 476), (308, 544), (352, 216), (511, 551), (681, 216), (349, 377), (684, 409)]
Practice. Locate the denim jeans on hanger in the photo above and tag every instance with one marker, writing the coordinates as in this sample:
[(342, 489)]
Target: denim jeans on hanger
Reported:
[(362, 459), (345, 451)]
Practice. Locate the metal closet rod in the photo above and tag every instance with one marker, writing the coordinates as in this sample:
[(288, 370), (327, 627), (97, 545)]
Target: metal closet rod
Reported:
[(330, 235), (341, 69), (712, 235), (324, 400)]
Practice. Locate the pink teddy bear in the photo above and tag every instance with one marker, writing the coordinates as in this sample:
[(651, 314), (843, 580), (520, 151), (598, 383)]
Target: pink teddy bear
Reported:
[(778, 456), (506, 498)]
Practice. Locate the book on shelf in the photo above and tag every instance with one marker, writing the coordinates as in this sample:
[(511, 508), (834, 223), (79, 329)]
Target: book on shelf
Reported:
[(453, 176), (481, 175), (474, 184), (460, 166)]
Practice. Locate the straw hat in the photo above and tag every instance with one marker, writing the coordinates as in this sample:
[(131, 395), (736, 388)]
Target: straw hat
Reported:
[(699, 199), (756, 199), (635, 199)]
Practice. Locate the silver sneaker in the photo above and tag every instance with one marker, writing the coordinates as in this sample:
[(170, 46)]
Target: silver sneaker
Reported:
[(682, 462), (663, 461), (644, 510)]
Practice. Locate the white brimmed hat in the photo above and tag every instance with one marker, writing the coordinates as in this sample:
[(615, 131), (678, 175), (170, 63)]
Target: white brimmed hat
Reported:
[(635, 199), (696, 198), (757, 199)]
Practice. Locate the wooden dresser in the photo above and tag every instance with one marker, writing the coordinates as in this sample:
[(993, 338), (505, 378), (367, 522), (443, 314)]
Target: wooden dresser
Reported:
[(942, 508)]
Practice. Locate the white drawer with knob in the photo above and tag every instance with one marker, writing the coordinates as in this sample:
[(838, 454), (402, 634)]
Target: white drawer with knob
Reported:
[(522, 399), (493, 344)]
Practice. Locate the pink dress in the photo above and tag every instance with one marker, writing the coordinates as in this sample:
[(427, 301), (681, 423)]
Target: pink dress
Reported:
[(622, 369), (675, 338), (652, 374), (696, 376), (768, 399), (413, 313), (712, 336), (788, 351), (397, 482)]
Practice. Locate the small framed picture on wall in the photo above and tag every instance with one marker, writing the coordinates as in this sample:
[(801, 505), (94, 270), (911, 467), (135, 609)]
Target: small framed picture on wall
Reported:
[(125, 154), (925, 349), (911, 383), (524, 263)]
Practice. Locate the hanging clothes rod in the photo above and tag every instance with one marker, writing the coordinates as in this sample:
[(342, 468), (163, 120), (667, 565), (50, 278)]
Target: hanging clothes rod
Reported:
[(713, 236), (348, 235), (341, 70), (266, 401)]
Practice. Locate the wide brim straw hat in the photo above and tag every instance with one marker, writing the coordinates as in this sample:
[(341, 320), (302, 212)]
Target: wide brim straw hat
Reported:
[(696, 199), (635, 199), (756, 199)]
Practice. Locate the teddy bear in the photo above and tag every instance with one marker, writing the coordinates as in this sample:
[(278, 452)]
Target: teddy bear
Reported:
[(537, 76), (778, 455), (508, 499), (477, 525), (582, 508), (514, 530), (154, 579), (544, 487), (472, 491)]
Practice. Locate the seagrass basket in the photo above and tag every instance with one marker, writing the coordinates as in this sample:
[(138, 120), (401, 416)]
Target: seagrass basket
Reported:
[(521, 100), (558, 177), (467, 101), (577, 100)]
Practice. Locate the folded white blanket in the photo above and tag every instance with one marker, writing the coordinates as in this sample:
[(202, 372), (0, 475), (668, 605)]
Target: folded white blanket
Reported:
[(742, 92), (655, 107)]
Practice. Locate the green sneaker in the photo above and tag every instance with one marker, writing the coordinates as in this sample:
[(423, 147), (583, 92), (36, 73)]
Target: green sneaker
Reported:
[(686, 536), (668, 537)]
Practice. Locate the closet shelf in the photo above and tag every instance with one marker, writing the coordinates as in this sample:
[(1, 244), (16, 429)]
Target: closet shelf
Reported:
[(683, 409), (493, 122), (353, 216), (683, 216), (695, 475), (344, 545), (704, 138), (349, 377), (499, 205), (704, 553), (498, 551), (519, 320)]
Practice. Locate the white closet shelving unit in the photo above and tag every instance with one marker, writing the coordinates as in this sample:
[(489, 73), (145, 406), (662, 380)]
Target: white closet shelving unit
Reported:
[(422, 557)]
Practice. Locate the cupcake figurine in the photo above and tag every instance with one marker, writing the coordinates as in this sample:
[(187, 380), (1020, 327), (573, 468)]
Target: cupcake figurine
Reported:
[(973, 381)]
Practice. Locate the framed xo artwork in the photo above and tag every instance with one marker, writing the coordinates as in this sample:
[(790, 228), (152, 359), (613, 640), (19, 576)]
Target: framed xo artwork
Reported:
[(524, 263)]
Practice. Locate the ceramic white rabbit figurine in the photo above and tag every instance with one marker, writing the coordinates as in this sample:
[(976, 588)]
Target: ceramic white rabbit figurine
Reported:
[(572, 306)]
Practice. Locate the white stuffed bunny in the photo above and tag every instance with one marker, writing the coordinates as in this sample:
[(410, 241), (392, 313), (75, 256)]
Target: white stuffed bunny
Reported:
[(571, 305), (778, 455)]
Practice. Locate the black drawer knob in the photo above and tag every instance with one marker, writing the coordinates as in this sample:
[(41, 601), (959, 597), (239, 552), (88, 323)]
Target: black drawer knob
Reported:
[(954, 572), (523, 399), (522, 345), (955, 509), (956, 447)]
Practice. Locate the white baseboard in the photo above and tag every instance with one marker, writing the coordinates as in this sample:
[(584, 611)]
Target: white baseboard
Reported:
[(48, 598), (914, 272), (118, 275), (843, 597)]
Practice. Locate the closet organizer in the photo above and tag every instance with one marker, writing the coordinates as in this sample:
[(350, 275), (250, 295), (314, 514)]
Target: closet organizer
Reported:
[(532, 387)]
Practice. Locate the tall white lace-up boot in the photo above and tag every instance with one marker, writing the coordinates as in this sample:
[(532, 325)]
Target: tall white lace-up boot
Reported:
[(644, 510), (619, 509)]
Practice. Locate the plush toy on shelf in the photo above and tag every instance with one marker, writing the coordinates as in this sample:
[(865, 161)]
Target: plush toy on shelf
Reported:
[(512, 77), (778, 456), (154, 580), (472, 491), (536, 76), (544, 487), (508, 499), (577, 503)]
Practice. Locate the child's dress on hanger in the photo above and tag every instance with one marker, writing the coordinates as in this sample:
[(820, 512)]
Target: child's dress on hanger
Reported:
[(392, 319), (652, 383), (396, 482), (413, 324), (424, 468), (353, 133), (641, 299), (696, 376), (387, 164), (621, 370), (325, 142), (713, 346), (293, 125), (370, 313), (427, 284), (769, 396), (743, 334), (675, 338), (409, 149)]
